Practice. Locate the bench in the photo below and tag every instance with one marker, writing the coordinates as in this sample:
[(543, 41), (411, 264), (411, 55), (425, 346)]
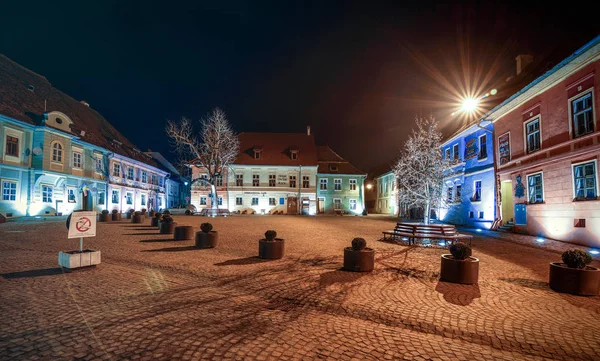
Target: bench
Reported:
[(414, 231)]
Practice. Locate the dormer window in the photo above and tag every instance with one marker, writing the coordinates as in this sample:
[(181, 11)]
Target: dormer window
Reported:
[(293, 154), (333, 167), (257, 154)]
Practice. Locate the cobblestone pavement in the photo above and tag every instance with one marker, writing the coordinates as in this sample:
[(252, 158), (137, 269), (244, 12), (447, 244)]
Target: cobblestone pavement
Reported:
[(154, 298)]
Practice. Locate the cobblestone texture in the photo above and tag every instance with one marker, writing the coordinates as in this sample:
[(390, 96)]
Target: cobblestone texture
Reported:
[(157, 299)]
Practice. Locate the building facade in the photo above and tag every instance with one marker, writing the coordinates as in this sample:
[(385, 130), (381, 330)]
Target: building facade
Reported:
[(469, 184), (548, 143), (387, 194)]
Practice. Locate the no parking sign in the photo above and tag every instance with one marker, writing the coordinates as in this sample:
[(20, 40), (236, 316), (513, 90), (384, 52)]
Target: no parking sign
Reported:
[(83, 224)]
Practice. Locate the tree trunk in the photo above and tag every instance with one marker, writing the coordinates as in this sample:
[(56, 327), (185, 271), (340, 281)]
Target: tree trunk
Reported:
[(427, 213), (215, 201)]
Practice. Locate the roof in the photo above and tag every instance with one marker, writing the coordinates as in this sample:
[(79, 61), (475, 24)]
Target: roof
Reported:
[(17, 101), (329, 160), (276, 149)]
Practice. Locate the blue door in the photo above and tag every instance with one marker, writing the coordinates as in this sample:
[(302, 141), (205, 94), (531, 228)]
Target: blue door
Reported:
[(521, 214)]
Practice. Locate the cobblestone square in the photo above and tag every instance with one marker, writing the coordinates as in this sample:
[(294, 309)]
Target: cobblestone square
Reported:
[(157, 299)]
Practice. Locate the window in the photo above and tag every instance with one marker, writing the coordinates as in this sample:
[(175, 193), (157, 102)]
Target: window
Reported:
[(294, 154), (257, 154), (533, 136), (323, 184), (483, 147), (477, 195), (271, 180), (449, 195), (129, 197), (585, 181), (448, 154), (47, 194), (98, 165), (143, 197), (256, 180), (337, 184), (57, 150), (239, 201), (239, 180), (12, 146), (77, 160), (9, 191), (480, 215), (272, 202), (352, 184), (202, 201), (116, 170), (455, 152), (305, 181), (115, 196), (458, 192), (333, 167), (353, 204), (337, 203), (219, 180), (292, 181), (154, 179), (582, 115), (535, 188), (144, 177), (471, 214), (101, 198), (71, 195), (281, 201), (254, 201), (220, 201), (130, 173)]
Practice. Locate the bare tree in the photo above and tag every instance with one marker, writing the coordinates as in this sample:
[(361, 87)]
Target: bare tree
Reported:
[(420, 168), (212, 150)]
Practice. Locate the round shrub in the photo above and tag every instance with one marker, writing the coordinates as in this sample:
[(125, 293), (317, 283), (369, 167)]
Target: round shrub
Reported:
[(166, 211), (167, 219), (358, 243), (206, 227), (144, 210), (460, 251), (104, 211), (575, 258), (270, 235), (157, 215), (115, 211), (137, 213), (131, 211)]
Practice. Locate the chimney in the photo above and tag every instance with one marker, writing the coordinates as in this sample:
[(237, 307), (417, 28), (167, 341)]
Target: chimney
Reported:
[(308, 130), (522, 61)]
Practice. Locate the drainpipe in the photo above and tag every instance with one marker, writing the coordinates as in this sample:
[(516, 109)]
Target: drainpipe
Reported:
[(299, 203)]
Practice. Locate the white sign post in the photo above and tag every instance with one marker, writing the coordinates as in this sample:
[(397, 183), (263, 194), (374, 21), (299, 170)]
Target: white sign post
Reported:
[(81, 224)]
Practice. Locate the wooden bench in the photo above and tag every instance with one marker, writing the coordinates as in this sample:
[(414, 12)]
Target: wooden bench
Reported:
[(414, 231)]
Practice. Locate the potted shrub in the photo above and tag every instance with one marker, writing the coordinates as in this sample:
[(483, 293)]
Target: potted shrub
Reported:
[(166, 211), (105, 217), (167, 225), (459, 266), (137, 217), (271, 247), (116, 216), (155, 219), (130, 213), (359, 258), (574, 275), (144, 214), (206, 238), (151, 213)]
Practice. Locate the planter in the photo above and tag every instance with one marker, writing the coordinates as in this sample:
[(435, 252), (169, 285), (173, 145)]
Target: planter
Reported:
[(583, 282), (116, 216), (183, 232), (359, 261), (105, 217), (137, 218), (457, 271), (271, 249), (167, 228), (76, 259), (151, 213), (207, 240), (154, 222)]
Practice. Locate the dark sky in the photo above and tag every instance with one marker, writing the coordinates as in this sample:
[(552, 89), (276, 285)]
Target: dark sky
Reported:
[(358, 74)]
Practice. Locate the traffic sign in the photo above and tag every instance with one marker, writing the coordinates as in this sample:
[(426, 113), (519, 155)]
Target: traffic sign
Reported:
[(83, 224)]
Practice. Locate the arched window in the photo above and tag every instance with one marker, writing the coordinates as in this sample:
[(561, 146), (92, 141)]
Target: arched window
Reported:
[(57, 152)]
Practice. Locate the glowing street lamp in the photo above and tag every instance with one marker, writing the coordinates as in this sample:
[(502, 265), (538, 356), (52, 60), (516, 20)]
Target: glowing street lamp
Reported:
[(469, 105)]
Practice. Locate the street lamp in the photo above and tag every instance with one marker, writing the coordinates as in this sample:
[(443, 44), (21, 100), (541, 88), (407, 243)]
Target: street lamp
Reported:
[(469, 105)]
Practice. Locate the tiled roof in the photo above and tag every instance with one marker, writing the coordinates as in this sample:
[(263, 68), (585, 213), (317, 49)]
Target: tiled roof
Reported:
[(276, 149), (24, 95), (331, 163)]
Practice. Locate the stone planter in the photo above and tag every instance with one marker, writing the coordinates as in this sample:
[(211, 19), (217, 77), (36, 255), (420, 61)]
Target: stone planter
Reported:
[(137, 218), (154, 222), (183, 232), (76, 259), (457, 271), (271, 249), (167, 228), (116, 216), (582, 282), (105, 217), (207, 240), (359, 261)]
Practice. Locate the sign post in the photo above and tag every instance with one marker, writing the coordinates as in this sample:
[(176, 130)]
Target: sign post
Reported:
[(80, 224)]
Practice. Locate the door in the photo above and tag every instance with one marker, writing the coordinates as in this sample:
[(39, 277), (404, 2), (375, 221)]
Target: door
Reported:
[(292, 207), (321, 205), (521, 214), (507, 202), (87, 201)]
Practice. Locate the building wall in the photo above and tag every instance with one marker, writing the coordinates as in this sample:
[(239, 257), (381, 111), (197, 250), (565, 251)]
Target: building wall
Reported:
[(14, 170), (386, 202), (559, 213), (345, 195)]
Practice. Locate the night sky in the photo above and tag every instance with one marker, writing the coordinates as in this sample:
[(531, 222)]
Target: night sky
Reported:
[(357, 74)]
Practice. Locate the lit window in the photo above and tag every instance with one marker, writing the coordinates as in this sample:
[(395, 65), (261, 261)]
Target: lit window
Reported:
[(256, 180), (353, 204), (323, 184), (582, 115), (337, 203), (77, 160), (116, 170), (254, 201), (337, 184), (294, 154), (482, 147), (305, 181), (352, 184), (202, 201), (272, 202), (585, 181), (533, 136), (12, 146), (239, 180), (47, 194), (9, 191), (101, 198), (534, 186), (271, 180), (115, 196), (239, 201), (71, 195), (57, 150), (292, 181), (144, 177), (129, 198), (477, 195), (130, 173), (257, 154), (143, 198)]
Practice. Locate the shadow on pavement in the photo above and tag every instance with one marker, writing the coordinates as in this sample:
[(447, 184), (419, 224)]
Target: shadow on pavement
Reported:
[(33, 273), (339, 276), (141, 234), (242, 261), (529, 283), (158, 240), (172, 249), (457, 294)]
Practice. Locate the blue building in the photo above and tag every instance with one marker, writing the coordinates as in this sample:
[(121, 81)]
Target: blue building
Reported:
[(470, 186)]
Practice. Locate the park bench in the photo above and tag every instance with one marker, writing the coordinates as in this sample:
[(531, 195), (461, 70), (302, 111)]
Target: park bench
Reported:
[(414, 231)]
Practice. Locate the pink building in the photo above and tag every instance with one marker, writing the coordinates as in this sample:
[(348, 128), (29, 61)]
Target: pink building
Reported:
[(548, 151)]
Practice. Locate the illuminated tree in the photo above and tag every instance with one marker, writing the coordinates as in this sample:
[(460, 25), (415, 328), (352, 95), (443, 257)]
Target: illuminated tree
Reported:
[(212, 150), (420, 168)]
